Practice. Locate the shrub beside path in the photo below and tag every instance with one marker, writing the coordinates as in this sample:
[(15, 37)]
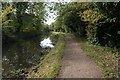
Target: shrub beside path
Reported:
[(75, 64)]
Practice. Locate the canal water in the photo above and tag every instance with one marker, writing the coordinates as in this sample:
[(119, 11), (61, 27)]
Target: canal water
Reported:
[(20, 56)]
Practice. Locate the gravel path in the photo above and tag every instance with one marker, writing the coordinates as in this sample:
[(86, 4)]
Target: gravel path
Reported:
[(75, 64)]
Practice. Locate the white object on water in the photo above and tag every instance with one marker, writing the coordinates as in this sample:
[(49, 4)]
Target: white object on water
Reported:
[(46, 43)]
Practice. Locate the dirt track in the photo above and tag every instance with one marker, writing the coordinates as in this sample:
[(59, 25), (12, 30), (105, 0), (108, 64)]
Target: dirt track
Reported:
[(75, 64)]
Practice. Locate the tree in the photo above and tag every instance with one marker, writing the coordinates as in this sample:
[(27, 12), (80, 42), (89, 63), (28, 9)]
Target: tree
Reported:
[(23, 18)]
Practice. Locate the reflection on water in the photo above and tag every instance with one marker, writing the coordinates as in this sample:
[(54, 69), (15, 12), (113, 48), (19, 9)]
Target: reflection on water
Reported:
[(20, 56)]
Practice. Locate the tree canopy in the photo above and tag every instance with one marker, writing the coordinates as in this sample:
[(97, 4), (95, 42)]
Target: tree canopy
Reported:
[(99, 22)]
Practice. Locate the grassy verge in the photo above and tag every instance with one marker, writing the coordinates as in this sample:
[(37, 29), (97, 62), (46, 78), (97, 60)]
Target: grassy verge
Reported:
[(50, 65), (106, 59)]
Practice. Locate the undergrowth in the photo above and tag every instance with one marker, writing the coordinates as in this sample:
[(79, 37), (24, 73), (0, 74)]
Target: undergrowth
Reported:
[(105, 57)]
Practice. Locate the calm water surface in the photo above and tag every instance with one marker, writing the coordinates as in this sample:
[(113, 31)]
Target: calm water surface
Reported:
[(21, 56)]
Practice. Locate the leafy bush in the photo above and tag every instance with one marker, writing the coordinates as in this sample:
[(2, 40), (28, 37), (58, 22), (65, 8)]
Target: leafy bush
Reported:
[(100, 28), (92, 17)]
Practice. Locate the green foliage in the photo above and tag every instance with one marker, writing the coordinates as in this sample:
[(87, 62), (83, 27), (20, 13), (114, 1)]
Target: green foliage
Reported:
[(58, 26), (110, 26), (70, 19), (98, 21), (92, 17), (102, 26), (19, 18), (7, 10)]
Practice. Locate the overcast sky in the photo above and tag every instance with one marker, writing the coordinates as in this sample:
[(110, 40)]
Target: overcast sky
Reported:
[(51, 15), (50, 20)]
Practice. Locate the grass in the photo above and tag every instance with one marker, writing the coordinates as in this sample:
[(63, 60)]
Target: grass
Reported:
[(104, 57), (50, 65)]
